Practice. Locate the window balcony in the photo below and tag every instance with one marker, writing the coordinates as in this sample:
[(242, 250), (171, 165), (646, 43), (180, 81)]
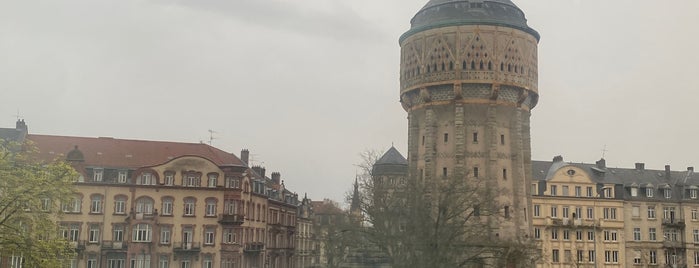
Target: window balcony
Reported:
[(186, 247), (231, 219), (254, 247), (114, 245), (674, 222)]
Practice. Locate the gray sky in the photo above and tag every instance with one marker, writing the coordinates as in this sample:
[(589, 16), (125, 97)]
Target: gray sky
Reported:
[(307, 85)]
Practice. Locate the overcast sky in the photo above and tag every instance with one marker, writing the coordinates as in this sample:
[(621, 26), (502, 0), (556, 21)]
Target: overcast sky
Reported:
[(307, 85)]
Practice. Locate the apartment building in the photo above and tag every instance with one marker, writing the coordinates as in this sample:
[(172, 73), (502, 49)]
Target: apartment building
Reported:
[(142, 204), (591, 215)]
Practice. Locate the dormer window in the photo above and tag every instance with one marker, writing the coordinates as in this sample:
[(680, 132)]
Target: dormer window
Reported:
[(97, 174), (668, 193), (608, 193), (146, 179), (693, 193), (121, 178), (634, 191), (649, 192)]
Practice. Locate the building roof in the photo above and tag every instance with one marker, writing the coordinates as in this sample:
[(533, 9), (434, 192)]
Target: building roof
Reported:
[(442, 13), (392, 162), (11, 134), (120, 153), (325, 207)]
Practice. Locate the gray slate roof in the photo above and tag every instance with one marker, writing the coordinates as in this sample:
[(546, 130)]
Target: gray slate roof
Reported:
[(391, 163), (11, 134), (440, 13)]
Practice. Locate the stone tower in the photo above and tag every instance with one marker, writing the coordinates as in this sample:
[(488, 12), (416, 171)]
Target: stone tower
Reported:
[(468, 80)]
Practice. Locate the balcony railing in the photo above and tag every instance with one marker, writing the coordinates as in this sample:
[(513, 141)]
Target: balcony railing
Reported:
[(234, 219), (674, 222), (186, 246), (254, 247), (114, 245), (79, 245), (673, 244)]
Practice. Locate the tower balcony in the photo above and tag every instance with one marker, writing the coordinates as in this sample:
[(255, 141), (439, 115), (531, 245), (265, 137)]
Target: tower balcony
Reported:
[(231, 219)]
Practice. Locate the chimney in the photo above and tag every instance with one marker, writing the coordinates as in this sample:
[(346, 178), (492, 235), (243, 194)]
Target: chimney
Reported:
[(601, 164), (21, 126), (257, 169), (640, 166), (262, 172), (245, 156), (276, 177), (690, 169), (557, 159), (667, 172)]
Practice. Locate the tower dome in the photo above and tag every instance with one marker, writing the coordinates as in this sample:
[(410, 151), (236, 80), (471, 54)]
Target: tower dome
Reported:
[(441, 13)]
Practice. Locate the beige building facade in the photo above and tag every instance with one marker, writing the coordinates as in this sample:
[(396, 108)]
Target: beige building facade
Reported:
[(591, 215)]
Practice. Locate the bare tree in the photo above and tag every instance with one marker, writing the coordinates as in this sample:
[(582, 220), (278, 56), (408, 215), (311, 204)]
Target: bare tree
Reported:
[(439, 223)]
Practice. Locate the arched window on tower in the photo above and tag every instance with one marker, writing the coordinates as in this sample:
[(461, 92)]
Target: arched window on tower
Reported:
[(473, 65), (502, 67), (490, 66), (463, 66), (481, 65), (509, 67), (451, 66), (428, 69), (443, 66)]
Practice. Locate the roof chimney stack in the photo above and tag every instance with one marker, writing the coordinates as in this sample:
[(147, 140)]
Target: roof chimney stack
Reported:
[(276, 178), (21, 126), (601, 164), (557, 159), (667, 172), (640, 166), (245, 156)]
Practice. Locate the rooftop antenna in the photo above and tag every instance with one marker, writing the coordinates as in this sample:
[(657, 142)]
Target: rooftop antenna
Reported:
[(604, 151), (211, 137), (18, 115)]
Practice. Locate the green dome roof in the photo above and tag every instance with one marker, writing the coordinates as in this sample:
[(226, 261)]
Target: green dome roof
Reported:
[(443, 13)]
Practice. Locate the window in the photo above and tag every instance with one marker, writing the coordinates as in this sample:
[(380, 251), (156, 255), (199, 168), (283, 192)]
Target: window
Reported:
[(94, 234), (118, 233), (121, 178), (609, 213), (636, 212), (116, 262), (73, 206), (189, 206), (97, 174), (229, 236), (696, 258), (564, 190), (578, 191), (590, 236), (554, 234), (590, 212), (191, 180), (651, 234), (208, 262), (209, 236), (610, 235), (96, 204), (185, 263), (636, 234), (502, 139), (211, 207), (120, 205), (91, 261), (475, 172), (554, 256), (475, 137), (651, 212), (566, 234), (213, 180), (611, 256), (165, 235), (167, 206), (444, 172), (578, 213), (169, 179), (566, 212), (504, 174), (634, 191), (653, 257), (142, 232), (580, 256), (45, 204), (537, 233), (140, 261), (144, 205), (537, 210), (637, 258), (554, 190), (591, 255), (146, 179), (669, 213), (446, 137), (649, 192), (232, 183), (554, 212), (695, 215), (589, 192), (668, 193), (164, 262), (607, 193), (696, 236), (578, 235), (693, 193)]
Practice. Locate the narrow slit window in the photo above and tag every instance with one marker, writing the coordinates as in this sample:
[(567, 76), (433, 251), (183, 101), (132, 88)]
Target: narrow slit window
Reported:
[(444, 172), (475, 172), (504, 174), (502, 139), (475, 137), (446, 137)]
